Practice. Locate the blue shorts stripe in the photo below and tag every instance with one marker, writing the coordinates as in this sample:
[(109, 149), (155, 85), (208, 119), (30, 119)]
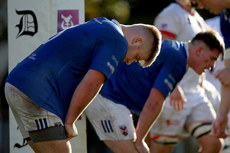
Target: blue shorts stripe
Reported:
[(36, 122), (45, 121), (41, 123), (103, 126), (110, 125), (107, 126)]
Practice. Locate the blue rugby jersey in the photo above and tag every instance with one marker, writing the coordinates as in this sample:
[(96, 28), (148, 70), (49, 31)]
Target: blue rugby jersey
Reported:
[(130, 85), (225, 27), (51, 73)]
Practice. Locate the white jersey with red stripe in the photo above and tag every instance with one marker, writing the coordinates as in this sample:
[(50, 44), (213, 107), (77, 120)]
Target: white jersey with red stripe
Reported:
[(178, 22)]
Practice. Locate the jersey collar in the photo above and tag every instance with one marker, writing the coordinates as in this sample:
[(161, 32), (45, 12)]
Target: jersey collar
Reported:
[(116, 22)]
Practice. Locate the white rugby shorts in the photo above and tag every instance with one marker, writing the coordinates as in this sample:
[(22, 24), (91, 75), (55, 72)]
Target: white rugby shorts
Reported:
[(172, 122), (34, 122), (110, 120)]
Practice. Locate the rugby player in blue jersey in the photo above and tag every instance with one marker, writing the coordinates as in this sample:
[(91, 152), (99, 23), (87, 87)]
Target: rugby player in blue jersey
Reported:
[(136, 90), (51, 87), (222, 7)]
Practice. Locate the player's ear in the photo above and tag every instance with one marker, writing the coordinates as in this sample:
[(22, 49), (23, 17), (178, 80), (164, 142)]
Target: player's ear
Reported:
[(199, 50), (137, 40)]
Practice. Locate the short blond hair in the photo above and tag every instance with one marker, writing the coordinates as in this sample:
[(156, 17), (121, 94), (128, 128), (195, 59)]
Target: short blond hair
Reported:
[(156, 44)]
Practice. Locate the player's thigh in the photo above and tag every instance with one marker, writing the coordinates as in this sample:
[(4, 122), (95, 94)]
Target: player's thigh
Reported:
[(200, 120), (201, 130), (111, 121), (160, 148), (211, 143), (204, 111), (62, 146), (123, 146), (212, 94)]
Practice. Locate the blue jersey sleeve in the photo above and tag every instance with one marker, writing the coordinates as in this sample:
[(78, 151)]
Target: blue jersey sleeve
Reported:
[(168, 77), (108, 54)]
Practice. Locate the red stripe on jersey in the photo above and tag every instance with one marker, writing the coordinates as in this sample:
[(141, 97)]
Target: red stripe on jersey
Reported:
[(168, 34)]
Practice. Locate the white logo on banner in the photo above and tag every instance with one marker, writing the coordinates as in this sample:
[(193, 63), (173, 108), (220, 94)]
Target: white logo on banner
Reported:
[(67, 22)]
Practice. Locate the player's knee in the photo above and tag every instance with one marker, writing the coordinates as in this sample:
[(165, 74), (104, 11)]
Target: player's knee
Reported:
[(165, 140), (200, 129), (218, 143), (126, 146), (212, 144)]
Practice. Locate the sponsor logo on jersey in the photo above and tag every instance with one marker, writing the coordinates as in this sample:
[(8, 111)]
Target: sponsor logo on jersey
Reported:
[(164, 26)]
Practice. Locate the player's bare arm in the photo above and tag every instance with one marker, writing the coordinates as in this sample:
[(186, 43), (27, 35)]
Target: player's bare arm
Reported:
[(149, 114), (83, 94)]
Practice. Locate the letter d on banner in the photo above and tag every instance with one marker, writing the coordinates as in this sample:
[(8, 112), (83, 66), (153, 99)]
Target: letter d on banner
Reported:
[(30, 23)]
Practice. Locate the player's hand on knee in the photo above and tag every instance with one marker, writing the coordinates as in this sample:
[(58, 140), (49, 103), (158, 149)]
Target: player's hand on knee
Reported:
[(142, 147), (71, 130), (219, 127)]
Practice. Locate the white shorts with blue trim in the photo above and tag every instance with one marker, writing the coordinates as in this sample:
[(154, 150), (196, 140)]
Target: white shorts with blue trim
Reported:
[(111, 121), (34, 122)]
